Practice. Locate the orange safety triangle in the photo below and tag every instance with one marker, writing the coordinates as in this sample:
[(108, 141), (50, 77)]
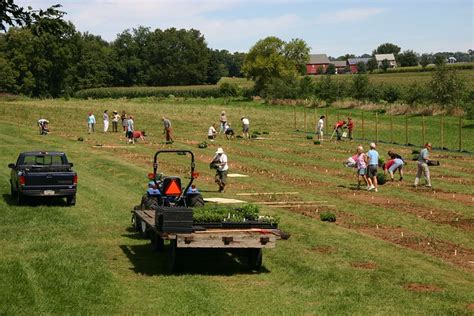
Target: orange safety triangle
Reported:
[(173, 189)]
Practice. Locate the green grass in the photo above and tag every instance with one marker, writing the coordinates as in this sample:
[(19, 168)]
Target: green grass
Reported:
[(87, 260)]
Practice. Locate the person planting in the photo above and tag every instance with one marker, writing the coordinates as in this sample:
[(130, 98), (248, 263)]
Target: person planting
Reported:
[(219, 162), (43, 126), (397, 163), (245, 127), (340, 125), (212, 132)]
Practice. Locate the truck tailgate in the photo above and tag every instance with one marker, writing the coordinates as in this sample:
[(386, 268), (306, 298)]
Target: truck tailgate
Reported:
[(46, 179)]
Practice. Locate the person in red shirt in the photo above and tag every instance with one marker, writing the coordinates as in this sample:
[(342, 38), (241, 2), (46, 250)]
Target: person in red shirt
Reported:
[(350, 126), (338, 128), (139, 135)]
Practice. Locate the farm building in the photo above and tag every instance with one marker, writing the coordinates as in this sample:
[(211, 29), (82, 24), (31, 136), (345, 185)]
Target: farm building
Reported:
[(315, 62), (354, 61), (340, 66), (391, 59)]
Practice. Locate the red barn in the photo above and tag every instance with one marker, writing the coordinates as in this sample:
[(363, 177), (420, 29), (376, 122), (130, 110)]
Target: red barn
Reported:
[(317, 61), (340, 66)]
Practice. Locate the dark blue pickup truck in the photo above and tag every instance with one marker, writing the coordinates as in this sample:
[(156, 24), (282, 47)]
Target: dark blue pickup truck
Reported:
[(41, 173)]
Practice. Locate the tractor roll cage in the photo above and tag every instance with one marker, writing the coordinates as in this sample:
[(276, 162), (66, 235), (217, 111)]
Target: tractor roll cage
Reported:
[(182, 152)]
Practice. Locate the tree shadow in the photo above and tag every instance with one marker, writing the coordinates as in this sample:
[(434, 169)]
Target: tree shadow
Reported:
[(201, 261), (469, 126), (35, 201)]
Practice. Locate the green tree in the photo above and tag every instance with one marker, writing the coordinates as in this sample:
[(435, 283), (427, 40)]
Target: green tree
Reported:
[(361, 67), (271, 58), (408, 58), (360, 87), (7, 76), (387, 48), (385, 65), (372, 65), (446, 87), (425, 60), (326, 90), (331, 69), (390, 93), (218, 61)]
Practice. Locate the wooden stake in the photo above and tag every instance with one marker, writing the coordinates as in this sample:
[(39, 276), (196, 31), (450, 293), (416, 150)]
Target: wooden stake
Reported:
[(391, 128), (460, 133), (376, 128), (363, 131), (305, 127), (294, 116), (406, 129), (327, 121), (423, 129), (441, 131)]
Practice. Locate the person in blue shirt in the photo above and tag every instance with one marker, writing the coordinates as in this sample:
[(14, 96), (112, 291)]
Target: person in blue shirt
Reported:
[(91, 122), (373, 162), (423, 159)]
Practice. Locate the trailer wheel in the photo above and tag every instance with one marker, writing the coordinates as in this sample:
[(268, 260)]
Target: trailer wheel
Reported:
[(255, 258), (195, 200), (157, 243), (135, 223), (173, 260)]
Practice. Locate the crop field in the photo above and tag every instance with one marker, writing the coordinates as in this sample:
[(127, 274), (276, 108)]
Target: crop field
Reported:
[(403, 250)]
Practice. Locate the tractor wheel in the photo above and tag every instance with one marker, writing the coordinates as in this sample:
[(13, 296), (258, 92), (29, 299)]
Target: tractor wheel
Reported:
[(195, 200), (255, 258), (150, 202)]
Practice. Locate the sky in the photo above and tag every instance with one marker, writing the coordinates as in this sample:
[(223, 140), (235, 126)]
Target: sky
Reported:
[(332, 27)]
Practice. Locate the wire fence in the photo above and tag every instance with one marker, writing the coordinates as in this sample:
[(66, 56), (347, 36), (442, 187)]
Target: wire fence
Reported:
[(444, 132)]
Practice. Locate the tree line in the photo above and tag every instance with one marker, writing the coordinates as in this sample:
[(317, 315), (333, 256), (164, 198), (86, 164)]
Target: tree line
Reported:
[(45, 56)]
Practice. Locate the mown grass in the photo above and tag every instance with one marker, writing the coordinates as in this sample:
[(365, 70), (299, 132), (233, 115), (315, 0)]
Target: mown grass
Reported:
[(86, 259)]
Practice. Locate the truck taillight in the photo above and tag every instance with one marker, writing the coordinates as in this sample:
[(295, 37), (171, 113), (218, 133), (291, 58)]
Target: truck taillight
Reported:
[(21, 179), (75, 179)]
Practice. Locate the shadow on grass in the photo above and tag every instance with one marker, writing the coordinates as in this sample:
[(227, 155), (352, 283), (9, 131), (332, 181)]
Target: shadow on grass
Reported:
[(35, 201), (469, 126), (191, 261)]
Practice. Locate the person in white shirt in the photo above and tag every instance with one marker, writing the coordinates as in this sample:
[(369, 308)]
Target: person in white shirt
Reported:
[(245, 127), (220, 162), (43, 126), (320, 127), (212, 132), (106, 121), (115, 120)]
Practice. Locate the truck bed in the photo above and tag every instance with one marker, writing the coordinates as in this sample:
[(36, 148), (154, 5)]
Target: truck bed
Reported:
[(214, 238)]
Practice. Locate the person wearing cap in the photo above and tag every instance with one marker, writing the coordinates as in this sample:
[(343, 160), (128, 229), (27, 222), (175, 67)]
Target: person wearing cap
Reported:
[(115, 120), (245, 127), (106, 121), (130, 129), (373, 162), (168, 130), (90, 122), (220, 162), (223, 121), (423, 159)]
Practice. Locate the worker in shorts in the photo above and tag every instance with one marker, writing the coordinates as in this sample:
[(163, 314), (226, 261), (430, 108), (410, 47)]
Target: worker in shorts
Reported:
[(219, 161), (373, 161), (245, 127), (361, 164), (320, 127), (423, 159)]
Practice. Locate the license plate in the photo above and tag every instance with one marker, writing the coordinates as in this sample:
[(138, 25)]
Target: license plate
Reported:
[(48, 192)]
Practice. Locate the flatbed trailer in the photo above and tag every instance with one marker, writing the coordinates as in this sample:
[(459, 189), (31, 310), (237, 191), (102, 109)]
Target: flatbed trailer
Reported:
[(251, 240)]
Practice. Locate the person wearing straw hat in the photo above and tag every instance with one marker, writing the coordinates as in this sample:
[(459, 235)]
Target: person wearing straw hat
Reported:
[(219, 162)]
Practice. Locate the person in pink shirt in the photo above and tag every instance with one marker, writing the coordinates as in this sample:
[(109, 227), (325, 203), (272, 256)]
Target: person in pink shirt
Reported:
[(361, 164)]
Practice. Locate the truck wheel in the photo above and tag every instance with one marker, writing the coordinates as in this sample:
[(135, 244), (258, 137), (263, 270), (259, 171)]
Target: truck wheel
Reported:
[(71, 200), (19, 198), (255, 258), (195, 200), (157, 243), (12, 190)]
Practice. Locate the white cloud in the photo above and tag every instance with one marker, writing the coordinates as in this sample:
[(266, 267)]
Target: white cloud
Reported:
[(349, 15)]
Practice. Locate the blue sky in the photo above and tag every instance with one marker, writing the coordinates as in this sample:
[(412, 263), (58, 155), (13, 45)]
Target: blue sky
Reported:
[(333, 27)]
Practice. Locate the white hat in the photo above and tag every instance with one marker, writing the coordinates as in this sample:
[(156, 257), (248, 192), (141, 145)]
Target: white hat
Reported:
[(372, 145), (220, 150)]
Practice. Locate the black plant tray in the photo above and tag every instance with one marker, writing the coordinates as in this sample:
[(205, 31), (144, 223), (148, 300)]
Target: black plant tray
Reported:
[(237, 225)]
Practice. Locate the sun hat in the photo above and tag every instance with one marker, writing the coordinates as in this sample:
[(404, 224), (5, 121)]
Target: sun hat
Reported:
[(220, 150), (372, 145)]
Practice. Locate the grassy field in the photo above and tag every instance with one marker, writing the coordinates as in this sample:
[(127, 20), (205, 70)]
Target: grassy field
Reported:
[(399, 251)]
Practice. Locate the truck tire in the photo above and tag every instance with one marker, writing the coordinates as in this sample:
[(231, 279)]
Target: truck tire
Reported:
[(255, 258), (157, 243), (12, 191), (195, 200), (19, 198), (71, 200)]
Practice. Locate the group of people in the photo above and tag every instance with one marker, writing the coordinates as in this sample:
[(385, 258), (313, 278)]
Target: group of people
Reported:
[(338, 128), (226, 129), (126, 121), (367, 165)]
